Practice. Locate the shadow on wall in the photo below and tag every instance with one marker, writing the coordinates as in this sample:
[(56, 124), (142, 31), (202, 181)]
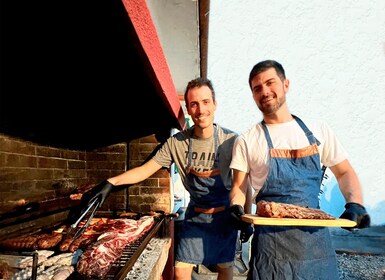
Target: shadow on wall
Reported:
[(377, 218), (333, 202), (331, 198)]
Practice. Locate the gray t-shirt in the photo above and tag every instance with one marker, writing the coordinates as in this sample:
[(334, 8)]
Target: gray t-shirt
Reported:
[(175, 150)]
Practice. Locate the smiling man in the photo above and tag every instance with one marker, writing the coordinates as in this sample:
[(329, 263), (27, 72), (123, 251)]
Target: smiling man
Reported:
[(282, 157), (202, 155)]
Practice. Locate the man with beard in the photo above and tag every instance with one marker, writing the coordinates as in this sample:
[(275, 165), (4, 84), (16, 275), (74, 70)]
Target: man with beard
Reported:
[(283, 157)]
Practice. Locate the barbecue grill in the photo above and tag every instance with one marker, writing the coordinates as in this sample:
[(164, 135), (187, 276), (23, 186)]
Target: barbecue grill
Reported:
[(38, 219)]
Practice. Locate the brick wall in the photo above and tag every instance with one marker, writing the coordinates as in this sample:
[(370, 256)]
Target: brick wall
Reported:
[(36, 173), (154, 193)]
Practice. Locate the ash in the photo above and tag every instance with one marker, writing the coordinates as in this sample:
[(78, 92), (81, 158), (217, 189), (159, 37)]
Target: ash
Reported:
[(361, 267)]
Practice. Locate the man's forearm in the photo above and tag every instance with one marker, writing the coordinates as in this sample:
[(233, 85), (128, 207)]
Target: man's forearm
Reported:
[(348, 182), (239, 188), (237, 197)]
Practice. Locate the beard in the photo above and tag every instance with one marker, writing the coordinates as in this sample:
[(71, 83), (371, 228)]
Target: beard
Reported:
[(272, 108)]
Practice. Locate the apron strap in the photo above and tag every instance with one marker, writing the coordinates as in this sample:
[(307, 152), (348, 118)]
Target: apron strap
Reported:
[(267, 135), (309, 135)]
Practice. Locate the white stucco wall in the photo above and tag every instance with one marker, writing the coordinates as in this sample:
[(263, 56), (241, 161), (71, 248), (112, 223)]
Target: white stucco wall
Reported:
[(334, 56)]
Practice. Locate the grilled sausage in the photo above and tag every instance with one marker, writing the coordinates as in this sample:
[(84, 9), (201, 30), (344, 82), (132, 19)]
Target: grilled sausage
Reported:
[(50, 241), (65, 244)]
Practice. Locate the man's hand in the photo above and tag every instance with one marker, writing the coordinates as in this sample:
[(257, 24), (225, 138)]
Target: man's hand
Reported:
[(236, 211), (357, 213), (100, 191)]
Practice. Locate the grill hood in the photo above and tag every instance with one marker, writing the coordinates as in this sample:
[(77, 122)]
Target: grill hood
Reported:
[(84, 74)]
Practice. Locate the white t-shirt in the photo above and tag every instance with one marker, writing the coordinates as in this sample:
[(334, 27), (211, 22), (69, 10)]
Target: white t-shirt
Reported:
[(250, 151)]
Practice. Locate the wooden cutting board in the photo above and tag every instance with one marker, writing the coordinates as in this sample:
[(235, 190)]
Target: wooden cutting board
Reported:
[(257, 220)]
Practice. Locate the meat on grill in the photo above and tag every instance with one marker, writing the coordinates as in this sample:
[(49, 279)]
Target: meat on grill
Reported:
[(81, 242), (92, 232), (65, 244), (50, 241), (78, 193), (35, 241), (284, 210), (23, 242), (98, 258)]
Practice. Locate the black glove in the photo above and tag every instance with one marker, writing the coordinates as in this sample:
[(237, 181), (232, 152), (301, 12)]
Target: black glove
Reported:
[(357, 213), (236, 211), (99, 191)]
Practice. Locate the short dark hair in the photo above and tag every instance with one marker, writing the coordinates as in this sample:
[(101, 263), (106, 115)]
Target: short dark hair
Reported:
[(263, 66), (199, 82)]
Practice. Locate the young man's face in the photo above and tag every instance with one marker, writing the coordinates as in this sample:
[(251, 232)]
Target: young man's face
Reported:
[(269, 91), (201, 106)]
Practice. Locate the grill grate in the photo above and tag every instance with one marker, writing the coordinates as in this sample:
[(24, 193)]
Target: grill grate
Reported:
[(130, 254), (128, 257)]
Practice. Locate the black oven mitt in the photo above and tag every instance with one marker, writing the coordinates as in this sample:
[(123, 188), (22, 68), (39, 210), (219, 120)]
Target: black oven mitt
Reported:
[(357, 213), (236, 211)]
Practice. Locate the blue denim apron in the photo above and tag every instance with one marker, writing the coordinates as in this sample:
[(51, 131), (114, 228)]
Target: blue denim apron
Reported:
[(206, 238), (288, 252)]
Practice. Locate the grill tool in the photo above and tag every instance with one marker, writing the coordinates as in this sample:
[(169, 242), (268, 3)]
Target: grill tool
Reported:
[(73, 230)]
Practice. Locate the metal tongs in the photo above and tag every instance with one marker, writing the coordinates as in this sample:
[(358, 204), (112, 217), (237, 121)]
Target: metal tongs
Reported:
[(73, 230)]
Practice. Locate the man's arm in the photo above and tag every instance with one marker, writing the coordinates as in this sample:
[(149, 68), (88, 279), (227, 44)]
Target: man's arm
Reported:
[(239, 188), (351, 190), (348, 182), (136, 174), (240, 201)]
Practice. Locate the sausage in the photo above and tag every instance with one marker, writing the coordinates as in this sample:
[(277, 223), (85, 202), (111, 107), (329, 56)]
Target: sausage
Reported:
[(40, 236), (81, 243), (50, 241), (65, 244)]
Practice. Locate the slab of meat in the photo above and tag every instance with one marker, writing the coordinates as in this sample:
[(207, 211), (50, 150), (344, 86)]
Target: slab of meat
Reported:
[(284, 210), (98, 258)]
